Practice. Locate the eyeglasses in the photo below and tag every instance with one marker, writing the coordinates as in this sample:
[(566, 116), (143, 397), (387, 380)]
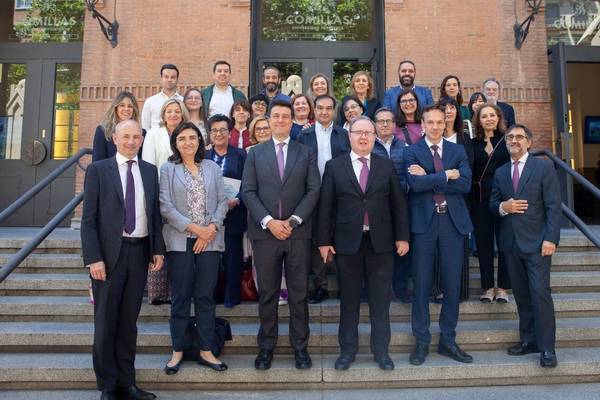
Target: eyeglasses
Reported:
[(259, 103), (351, 107), (193, 98), (408, 101), (221, 131), (384, 121), (518, 138), (263, 129), (362, 133)]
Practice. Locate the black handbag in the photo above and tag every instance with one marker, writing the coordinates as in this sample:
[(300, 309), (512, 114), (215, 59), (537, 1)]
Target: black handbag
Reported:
[(191, 352)]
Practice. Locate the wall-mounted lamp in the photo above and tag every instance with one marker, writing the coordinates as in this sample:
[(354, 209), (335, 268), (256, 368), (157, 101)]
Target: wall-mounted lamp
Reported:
[(522, 29), (109, 29)]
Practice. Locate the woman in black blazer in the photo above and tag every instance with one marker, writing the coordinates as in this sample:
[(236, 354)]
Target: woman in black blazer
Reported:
[(363, 87), (231, 160)]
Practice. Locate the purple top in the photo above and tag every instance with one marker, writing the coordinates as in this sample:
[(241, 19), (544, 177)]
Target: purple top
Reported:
[(415, 131)]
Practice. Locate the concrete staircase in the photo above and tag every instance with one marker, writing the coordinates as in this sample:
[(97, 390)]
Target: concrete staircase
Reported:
[(46, 333)]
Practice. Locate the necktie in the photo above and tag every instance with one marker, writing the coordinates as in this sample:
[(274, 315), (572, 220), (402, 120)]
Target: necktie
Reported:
[(439, 167), (515, 176), (362, 180), (129, 200), (280, 160)]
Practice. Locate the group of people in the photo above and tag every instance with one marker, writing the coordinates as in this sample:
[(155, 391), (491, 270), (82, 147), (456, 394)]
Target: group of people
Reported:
[(380, 191)]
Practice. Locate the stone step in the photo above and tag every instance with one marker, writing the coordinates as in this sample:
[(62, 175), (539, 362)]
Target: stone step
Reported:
[(155, 336), (561, 282), (572, 258), (78, 309), (74, 371)]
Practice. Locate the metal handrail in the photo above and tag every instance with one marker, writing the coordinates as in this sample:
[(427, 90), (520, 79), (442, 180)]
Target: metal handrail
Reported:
[(41, 185)]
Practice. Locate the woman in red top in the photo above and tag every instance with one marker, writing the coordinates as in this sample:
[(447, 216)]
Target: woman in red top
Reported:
[(239, 135)]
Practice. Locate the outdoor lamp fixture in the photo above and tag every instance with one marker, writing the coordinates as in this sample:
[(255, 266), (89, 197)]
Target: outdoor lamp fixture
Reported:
[(522, 29), (109, 29)]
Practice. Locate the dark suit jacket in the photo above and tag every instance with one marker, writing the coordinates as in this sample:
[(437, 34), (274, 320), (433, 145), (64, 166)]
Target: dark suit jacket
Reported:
[(480, 193), (508, 112), (236, 221), (103, 216), (538, 185), (423, 187), (263, 190), (343, 203), (340, 143), (207, 93)]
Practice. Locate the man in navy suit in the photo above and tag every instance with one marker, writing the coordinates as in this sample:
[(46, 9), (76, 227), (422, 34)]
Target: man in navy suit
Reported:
[(438, 176), (327, 141), (121, 236), (525, 195)]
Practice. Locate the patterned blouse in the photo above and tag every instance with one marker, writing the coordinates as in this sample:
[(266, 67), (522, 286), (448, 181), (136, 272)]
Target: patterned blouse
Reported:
[(196, 197)]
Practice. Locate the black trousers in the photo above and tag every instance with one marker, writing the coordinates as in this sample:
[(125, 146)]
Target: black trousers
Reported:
[(269, 255), (378, 268), (530, 277), (233, 262), (193, 276), (486, 229), (117, 303)]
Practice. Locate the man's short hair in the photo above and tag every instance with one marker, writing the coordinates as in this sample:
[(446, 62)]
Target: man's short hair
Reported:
[(491, 79), (527, 131), (325, 96), (219, 118), (361, 118), (433, 107), (407, 61), (273, 68), (221, 62), (281, 103), (380, 110), (169, 66)]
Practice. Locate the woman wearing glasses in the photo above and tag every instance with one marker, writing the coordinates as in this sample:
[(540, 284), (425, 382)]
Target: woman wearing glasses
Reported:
[(408, 118)]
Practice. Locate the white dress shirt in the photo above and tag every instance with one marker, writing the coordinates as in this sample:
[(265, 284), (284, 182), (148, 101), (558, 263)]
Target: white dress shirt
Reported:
[(221, 101), (323, 145), (141, 220), (157, 147), (521, 165), (152, 107), (357, 166)]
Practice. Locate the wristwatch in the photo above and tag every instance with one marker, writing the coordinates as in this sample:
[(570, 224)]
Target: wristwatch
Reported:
[(293, 222)]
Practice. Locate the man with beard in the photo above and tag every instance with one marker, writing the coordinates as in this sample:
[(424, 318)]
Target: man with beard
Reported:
[(220, 96), (406, 74), (492, 89), (271, 81)]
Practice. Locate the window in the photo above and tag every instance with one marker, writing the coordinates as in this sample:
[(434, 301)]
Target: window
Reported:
[(66, 110), (22, 4)]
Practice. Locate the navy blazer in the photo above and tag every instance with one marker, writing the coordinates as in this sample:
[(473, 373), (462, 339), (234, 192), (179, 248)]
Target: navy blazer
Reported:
[(422, 188), (538, 185), (396, 155), (236, 221), (103, 216), (340, 143)]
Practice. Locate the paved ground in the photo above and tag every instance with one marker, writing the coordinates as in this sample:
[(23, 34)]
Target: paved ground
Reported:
[(547, 392)]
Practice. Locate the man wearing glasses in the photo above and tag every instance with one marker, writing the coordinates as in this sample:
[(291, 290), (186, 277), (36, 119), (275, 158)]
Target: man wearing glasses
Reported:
[(363, 221), (525, 195)]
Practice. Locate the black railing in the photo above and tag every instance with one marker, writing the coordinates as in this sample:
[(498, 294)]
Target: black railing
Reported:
[(18, 257), (567, 212)]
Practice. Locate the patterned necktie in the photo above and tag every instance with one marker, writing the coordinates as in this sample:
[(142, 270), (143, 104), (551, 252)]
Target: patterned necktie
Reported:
[(130, 200), (439, 167), (515, 176), (363, 179), (280, 159)]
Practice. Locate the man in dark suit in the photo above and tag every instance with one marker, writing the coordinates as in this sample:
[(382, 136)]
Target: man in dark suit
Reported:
[(121, 236), (492, 88), (280, 187), (438, 176), (363, 220), (526, 197), (327, 141)]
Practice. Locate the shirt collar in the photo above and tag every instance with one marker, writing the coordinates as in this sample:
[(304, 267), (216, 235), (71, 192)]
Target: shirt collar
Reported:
[(389, 141), (354, 156), (522, 159), (175, 95), (286, 141), (121, 159), (429, 144), (322, 128)]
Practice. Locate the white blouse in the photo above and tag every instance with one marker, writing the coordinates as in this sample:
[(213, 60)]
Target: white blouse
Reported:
[(157, 148)]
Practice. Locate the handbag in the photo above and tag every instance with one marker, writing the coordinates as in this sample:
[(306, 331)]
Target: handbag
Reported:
[(249, 292), (191, 351)]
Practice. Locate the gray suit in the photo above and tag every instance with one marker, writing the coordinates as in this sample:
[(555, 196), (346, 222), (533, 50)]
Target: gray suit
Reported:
[(264, 194)]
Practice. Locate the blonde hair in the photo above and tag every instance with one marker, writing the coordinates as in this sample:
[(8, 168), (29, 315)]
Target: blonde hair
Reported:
[(110, 117), (310, 93), (253, 123), (370, 90), (185, 115)]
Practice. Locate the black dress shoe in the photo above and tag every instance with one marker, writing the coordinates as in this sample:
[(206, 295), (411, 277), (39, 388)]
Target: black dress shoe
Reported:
[(107, 395), (520, 349), (385, 362), (263, 359), (303, 360), (220, 367), (318, 296), (174, 369), (405, 297), (455, 353), (418, 356), (135, 393), (344, 361), (548, 359)]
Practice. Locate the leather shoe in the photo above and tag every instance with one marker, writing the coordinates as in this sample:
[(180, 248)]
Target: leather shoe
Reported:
[(263, 359), (417, 357), (135, 393), (385, 362), (520, 349), (548, 359), (343, 362), (303, 360), (318, 296), (455, 353), (220, 367), (106, 395)]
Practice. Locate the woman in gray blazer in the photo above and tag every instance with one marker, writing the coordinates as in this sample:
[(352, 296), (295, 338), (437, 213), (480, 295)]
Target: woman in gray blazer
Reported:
[(193, 206)]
